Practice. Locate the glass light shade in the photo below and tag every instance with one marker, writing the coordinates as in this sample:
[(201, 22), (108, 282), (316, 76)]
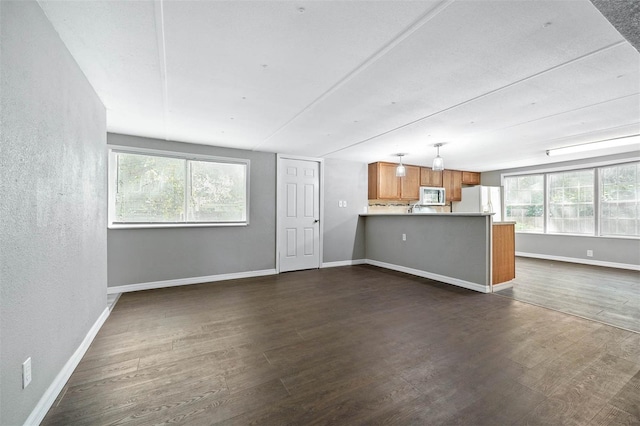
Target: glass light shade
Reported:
[(438, 164), (401, 171)]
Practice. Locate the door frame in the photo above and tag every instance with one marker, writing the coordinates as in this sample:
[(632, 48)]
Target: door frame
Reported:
[(320, 161)]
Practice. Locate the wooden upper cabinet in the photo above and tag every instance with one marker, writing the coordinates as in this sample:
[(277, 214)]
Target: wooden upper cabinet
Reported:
[(384, 185), (471, 178), (430, 177), (410, 184), (452, 182)]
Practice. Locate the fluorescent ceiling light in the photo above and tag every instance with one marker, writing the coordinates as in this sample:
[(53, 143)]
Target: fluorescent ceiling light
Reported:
[(609, 143)]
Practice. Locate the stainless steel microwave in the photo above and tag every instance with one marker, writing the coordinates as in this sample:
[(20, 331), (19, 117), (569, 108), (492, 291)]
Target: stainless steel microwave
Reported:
[(432, 196)]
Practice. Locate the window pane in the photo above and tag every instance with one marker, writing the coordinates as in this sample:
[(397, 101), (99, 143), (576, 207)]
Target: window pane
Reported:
[(571, 202), (524, 202), (149, 188), (619, 199), (218, 192)]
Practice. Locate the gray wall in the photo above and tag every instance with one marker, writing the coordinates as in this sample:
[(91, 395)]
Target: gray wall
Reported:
[(53, 241), (343, 228), (616, 250), (146, 255), (453, 246)]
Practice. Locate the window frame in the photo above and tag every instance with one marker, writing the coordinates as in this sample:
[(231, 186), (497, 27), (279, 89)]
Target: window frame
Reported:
[(596, 166), (112, 150), (544, 202)]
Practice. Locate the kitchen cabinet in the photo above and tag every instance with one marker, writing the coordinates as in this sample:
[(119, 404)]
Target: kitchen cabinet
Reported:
[(429, 177), (410, 184), (504, 252), (452, 183), (384, 185), (470, 178)]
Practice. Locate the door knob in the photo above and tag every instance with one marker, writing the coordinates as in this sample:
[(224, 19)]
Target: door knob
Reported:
[(316, 221)]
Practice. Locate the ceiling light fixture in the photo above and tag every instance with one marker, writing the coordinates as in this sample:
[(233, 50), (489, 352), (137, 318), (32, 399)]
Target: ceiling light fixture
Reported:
[(438, 162), (401, 170), (591, 146)]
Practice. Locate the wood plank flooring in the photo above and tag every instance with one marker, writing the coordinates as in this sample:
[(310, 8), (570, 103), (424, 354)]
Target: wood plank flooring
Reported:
[(348, 346), (608, 295)]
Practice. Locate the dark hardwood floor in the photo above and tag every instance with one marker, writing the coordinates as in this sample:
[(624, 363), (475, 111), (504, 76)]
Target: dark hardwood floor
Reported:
[(347, 346), (608, 295)]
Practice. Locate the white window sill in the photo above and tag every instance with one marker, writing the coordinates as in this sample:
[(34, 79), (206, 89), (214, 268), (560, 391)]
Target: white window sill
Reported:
[(174, 225)]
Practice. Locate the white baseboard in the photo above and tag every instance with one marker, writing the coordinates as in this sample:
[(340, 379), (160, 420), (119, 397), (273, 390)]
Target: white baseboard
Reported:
[(424, 274), (187, 281), (343, 263), (579, 260), (112, 299), (52, 392), (502, 286)]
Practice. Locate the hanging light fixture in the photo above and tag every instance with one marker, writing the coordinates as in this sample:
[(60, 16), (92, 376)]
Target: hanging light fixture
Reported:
[(401, 171), (438, 162)]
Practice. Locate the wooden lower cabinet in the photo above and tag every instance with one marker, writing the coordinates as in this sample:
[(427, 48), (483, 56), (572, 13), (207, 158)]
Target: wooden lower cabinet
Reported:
[(504, 252)]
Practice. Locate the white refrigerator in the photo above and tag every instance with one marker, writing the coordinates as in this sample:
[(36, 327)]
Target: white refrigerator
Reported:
[(480, 199)]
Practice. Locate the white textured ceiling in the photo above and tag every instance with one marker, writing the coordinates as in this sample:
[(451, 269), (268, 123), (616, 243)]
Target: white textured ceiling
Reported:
[(498, 82)]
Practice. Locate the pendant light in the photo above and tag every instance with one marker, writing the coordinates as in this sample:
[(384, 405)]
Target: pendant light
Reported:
[(438, 162), (401, 171)]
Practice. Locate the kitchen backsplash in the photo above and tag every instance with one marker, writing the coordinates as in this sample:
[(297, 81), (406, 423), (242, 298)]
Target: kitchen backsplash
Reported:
[(395, 207)]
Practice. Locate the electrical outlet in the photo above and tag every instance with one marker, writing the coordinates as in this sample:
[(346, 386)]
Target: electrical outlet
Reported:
[(26, 373), (344, 204), (404, 237), (589, 253), (340, 203)]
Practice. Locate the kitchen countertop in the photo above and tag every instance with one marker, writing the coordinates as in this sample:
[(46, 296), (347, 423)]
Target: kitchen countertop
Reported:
[(428, 214)]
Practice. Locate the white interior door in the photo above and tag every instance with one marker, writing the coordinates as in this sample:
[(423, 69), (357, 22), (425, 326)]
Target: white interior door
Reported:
[(299, 214)]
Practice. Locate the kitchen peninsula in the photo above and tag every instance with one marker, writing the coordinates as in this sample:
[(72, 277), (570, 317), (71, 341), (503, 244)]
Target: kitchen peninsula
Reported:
[(454, 248)]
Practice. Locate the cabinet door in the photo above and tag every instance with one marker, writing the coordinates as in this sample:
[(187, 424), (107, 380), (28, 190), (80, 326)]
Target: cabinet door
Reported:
[(388, 183), (452, 182), (430, 177), (410, 184), (471, 178)]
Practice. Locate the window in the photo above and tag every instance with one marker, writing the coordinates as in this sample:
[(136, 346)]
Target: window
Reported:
[(602, 201), (524, 202), (620, 200), (151, 188), (571, 202)]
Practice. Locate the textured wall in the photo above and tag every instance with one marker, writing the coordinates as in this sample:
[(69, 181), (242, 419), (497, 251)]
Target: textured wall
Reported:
[(624, 15), (616, 250), (146, 255), (453, 246), (53, 242), (343, 228)]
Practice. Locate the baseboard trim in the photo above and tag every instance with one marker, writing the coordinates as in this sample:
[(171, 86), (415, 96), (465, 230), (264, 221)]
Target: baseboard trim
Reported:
[(42, 408), (188, 281), (343, 263), (424, 274), (582, 261), (502, 286)]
